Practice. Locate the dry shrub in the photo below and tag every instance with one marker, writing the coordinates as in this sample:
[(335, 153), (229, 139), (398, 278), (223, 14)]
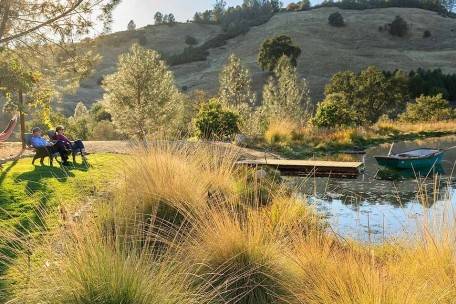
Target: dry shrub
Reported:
[(280, 132), (417, 127)]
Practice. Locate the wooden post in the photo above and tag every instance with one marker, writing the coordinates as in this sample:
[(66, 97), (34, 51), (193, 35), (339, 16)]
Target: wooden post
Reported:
[(22, 118)]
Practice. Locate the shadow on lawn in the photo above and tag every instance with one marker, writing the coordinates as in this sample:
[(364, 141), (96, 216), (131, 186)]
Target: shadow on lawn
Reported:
[(5, 171), (35, 185)]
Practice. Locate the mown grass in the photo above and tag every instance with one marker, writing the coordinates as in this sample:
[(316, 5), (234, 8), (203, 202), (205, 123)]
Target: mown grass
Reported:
[(32, 197), (291, 141), (179, 228)]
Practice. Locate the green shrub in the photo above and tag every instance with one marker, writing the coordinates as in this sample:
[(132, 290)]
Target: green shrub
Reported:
[(190, 40), (274, 48), (99, 113), (428, 108), (336, 19), (334, 111), (398, 27), (215, 122)]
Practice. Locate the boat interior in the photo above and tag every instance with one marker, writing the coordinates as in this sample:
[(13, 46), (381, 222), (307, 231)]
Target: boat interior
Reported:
[(416, 153)]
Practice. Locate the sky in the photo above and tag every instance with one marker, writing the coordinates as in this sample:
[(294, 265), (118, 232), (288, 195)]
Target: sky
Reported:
[(143, 11)]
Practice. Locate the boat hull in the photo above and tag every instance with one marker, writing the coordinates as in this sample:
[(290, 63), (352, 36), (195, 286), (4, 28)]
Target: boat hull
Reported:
[(412, 163)]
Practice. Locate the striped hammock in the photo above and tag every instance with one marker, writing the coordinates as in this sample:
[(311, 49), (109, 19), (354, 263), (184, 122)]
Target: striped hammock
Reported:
[(9, 129)]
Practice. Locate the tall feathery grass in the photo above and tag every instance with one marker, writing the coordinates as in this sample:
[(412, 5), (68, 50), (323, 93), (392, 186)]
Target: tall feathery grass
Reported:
[(222, 246)]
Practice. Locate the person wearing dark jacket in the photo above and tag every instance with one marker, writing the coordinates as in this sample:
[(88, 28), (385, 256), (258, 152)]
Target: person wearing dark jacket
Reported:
[(60, 136)]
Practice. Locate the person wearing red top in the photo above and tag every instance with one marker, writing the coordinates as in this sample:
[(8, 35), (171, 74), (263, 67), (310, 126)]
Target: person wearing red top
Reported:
[(60, 136)]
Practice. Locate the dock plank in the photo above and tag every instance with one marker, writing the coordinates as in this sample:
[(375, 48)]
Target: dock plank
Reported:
[(315, 167)]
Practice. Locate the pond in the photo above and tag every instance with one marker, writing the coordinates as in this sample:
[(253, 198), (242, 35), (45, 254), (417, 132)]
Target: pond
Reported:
[(384, 204)]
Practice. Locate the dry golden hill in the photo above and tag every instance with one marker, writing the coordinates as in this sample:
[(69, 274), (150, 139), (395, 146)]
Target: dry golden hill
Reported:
[(325, 49)]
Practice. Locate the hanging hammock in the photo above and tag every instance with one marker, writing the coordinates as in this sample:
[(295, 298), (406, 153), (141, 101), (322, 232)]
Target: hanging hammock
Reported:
[(9, 129)]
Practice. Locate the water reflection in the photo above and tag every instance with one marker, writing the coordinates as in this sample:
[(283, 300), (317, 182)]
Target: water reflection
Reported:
[(383, 203)]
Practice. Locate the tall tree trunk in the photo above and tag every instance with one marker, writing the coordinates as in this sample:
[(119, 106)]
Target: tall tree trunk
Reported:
[(22, 118)]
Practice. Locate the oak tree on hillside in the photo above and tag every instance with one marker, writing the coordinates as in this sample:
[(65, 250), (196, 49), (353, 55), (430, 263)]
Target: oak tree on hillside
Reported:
[(142, 96), (158, 18), (274, 48), (286, 96), (336, 19), (131, 25), (398, 27)]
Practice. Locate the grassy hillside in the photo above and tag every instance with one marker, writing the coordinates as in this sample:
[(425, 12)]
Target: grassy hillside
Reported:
[(325, 49)]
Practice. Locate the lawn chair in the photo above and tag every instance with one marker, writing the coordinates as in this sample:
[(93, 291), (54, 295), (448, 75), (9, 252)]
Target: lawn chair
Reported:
[(74, 151), (40, 153)]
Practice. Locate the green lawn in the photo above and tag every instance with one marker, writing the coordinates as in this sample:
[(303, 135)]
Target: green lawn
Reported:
[(30, 193)]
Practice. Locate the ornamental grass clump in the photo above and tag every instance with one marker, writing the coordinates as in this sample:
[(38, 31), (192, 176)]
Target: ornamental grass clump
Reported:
[(86, 266), (174, 182), (242, 259)]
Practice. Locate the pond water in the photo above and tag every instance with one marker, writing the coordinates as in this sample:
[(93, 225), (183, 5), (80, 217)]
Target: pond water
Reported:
[(384, 204)]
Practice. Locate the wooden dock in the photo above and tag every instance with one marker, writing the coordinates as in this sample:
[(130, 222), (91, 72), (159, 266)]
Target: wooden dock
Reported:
[(318, 168)]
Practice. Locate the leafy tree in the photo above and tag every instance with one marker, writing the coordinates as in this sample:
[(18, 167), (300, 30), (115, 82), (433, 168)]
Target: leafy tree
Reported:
[(219, 10), (276, 5), (285, 96), (99, 112), (131, 25), (432, 82), (428, 108), (197, 18), (274, 48), (215, 122), (236, 85), (370, 93), (141, 96), (79, 123), (190, 40), (171, 20), (398, 27), (42, 33), (304, 5), (206, 17), (334, 111), (336, 19), (40, 20), (80, 110), (236, 92), (343, 82), (158, 17), (449, 5), (23, 90)]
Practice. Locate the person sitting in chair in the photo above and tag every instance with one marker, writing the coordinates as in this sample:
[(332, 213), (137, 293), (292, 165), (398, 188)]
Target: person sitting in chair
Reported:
[(74, 146), (39, 142)]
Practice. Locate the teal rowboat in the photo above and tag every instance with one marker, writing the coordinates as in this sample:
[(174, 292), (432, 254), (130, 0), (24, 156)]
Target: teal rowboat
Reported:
[(413, 159)]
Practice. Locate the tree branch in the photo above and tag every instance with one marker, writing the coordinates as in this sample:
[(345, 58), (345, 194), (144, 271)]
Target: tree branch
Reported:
[(48, 22), (5, 5)]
